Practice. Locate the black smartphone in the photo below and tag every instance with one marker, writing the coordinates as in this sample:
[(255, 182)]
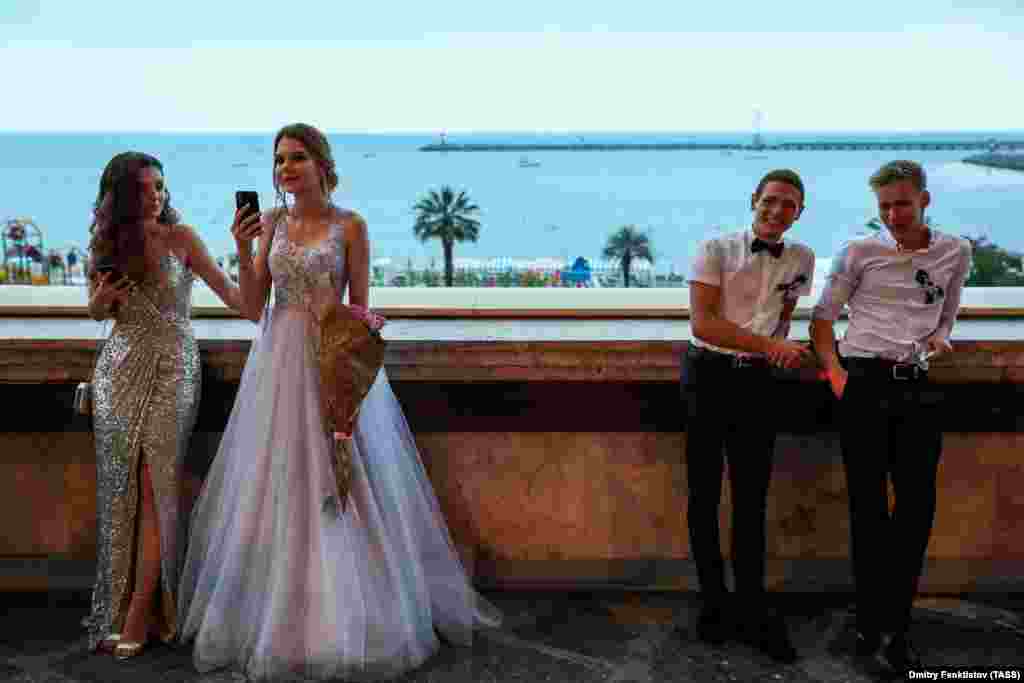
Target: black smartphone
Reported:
[(109, 267), (244, 197)]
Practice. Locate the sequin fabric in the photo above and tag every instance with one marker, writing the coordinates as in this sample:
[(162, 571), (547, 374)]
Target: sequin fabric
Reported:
[(146, 392)]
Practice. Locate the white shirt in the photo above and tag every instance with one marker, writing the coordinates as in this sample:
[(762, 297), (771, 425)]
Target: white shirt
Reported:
[(754, 287), (897, 299)]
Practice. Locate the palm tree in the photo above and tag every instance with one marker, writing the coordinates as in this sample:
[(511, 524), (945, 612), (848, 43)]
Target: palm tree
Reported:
[(449, 217), (233, 266), (626, 245)]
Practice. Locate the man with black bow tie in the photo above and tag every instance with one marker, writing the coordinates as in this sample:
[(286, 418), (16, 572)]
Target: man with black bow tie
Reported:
[(902, 287), (743, 289)]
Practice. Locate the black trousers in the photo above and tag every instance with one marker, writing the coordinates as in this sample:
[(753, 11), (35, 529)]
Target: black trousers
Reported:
[(729, 413), (888, 432)]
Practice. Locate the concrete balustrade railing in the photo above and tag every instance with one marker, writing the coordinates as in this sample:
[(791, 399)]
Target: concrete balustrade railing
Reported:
[(553, 430)]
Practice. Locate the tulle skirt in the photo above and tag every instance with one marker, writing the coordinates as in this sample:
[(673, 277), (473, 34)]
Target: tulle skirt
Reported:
[(276, 583)]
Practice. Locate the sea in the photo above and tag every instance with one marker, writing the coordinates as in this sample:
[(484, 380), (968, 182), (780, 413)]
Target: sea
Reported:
[(556, 205)]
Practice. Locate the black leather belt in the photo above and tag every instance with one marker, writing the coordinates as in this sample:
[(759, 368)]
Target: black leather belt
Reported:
[(882, 367), (703, 355)]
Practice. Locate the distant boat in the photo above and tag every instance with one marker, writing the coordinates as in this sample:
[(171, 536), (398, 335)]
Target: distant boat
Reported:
[(240, 164), (370, 155), (526, 162)]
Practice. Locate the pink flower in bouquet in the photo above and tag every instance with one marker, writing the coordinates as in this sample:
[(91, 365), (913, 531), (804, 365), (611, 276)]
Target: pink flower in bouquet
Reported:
[(373, 320)]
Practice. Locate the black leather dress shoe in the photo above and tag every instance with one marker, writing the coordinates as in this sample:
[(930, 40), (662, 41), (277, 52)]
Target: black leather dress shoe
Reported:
[(713, 627), (900, 655), (868, 643), (771, 637)]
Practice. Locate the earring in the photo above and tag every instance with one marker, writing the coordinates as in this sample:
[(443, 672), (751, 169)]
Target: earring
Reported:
[(325, 188)]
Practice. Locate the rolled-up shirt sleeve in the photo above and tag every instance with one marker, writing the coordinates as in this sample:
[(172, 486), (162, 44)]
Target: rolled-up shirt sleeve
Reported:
[(707, 264), (839, 287), (954, 291)]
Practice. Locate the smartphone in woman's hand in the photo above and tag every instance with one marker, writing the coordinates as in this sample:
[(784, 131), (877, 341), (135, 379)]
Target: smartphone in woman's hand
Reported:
[(108, 267), (247, 198)]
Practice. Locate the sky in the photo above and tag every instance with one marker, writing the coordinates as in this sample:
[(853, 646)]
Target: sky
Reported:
[(530, 65)]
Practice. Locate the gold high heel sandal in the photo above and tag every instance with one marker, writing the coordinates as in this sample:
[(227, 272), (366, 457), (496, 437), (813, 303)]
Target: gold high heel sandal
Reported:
[(128, 649), (109, 643)]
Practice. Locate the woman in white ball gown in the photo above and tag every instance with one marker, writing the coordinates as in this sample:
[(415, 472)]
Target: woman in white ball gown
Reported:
[(276, 582)]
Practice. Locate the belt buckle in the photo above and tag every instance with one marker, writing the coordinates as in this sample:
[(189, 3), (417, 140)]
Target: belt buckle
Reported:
[(913, 371)]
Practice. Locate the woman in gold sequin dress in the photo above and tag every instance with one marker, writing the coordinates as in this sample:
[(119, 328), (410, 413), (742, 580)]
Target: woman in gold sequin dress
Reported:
[(146, 391), (276, 582)]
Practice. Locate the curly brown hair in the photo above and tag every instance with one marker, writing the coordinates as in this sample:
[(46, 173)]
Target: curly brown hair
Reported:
[(116, 229), (318, 147)]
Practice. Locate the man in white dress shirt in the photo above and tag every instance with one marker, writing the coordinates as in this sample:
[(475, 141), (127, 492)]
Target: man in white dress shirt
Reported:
[(902, 288), (743, 289)]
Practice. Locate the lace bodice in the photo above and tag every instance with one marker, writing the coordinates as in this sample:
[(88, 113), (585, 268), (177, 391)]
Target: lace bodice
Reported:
[(304, 276)]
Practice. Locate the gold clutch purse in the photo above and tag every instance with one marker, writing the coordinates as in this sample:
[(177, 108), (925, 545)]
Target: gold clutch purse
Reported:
[(350, 353), (83, 401), (83, 398)]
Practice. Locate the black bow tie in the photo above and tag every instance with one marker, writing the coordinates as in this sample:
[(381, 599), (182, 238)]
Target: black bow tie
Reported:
[(775, 249)]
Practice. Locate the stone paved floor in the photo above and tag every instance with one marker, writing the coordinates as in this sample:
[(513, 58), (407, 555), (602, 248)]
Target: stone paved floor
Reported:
[(612, 637)]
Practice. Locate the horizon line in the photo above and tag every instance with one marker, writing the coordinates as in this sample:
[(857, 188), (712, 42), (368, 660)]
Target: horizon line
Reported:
[(489, 131)]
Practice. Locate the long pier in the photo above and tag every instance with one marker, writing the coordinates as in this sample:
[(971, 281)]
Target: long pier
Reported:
[(818, 146), (1013, 162)]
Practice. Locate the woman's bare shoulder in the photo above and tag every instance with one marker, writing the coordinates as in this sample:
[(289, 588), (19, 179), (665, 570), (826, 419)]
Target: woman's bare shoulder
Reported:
[(181, 236), (182, 240), (180, 230), (271, 220), (272, 216), (353, 224)]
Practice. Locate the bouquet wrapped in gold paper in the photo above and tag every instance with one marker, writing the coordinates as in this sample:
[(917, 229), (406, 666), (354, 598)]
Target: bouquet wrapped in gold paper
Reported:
[(350, 352)]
